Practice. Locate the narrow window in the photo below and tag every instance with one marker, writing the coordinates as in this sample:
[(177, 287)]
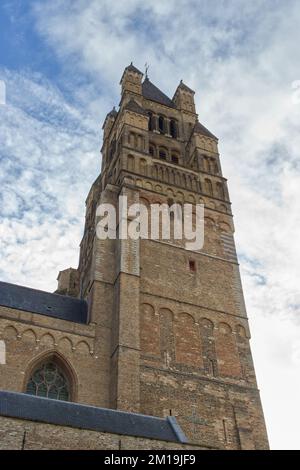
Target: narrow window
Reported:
[(150, 122), (208, 187), (175, 159), (151, 150), (192, 265), (173, 128), (162, 155), (161, 125), (225, 430)]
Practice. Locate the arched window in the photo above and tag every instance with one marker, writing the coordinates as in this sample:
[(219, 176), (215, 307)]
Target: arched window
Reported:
[(173, 128), (206, 164), (48, 380), (161, 125), (208, 187), (175, 158), (151, 150), (220, 190), (150, 122), (162, 154)]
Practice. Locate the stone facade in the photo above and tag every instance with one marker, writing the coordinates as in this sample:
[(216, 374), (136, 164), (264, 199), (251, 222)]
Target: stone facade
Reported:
[(17, 434), (167, 330)]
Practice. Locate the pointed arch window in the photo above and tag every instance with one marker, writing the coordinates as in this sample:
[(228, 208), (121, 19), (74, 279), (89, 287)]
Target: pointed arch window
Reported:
[(49, 380)]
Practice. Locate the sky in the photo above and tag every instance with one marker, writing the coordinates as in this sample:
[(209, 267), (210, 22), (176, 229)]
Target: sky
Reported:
[(60, 66)]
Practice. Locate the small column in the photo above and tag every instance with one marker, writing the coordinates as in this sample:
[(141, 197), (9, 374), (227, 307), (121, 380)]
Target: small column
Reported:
[(155, 123), (167, 127)]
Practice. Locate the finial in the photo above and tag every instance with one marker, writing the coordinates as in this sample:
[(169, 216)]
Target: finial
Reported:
[(146, 69)]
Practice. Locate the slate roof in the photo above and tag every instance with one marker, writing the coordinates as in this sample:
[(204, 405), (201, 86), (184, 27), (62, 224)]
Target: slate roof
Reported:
[(151, 92), (200, 129), (45, 410), (133, 106), (43, 303)]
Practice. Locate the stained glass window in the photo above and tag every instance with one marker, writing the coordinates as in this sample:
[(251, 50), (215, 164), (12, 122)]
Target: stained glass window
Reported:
[(49, 381)]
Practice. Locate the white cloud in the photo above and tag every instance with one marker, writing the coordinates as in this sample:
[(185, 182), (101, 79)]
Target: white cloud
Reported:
[(49, 158), (240, 57)]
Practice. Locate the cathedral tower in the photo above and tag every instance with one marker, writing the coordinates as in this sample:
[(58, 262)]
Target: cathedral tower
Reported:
[(173, 325), (143, 325)]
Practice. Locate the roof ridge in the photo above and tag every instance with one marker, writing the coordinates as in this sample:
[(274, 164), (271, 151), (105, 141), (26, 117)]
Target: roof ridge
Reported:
[(153, 93), (199, 128)]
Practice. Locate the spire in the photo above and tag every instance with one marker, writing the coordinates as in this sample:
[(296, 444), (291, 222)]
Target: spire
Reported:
[(146, 70), (184, 87), (131, 80), (184, 98)]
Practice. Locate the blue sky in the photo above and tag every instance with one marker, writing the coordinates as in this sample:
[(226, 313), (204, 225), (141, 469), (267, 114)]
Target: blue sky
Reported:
[(62, 60)]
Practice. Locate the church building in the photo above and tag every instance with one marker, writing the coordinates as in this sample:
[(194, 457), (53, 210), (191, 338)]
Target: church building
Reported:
[(146, 344)]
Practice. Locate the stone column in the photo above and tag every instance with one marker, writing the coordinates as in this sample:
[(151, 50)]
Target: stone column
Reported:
[(155, 123), (167, 127)]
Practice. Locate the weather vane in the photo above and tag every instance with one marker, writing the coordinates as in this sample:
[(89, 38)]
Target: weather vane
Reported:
[(146, 69)]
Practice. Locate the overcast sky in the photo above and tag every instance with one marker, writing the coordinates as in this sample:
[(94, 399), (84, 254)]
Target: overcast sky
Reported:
[(61, 62)]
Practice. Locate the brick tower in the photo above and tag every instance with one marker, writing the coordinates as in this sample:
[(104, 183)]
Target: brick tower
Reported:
[(172, 335)]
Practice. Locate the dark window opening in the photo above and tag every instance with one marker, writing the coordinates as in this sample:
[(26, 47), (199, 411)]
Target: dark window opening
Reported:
[(150, 122), (173, 128), (192, 265), (151, 150), (175, 159), (161, 125), (162, 155)]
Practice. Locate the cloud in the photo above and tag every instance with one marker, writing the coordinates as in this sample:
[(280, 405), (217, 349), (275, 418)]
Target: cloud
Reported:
[(240, 58), (48, 161)]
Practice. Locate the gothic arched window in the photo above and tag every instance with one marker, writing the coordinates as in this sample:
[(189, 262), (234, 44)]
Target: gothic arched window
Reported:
[(48, 380)]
